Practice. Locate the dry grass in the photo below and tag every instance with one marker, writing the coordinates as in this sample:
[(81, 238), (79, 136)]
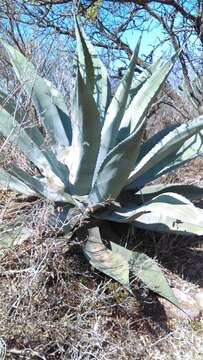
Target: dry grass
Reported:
[(53, 306)]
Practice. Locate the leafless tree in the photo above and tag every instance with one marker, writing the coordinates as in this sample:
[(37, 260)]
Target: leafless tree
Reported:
[(47, 25)]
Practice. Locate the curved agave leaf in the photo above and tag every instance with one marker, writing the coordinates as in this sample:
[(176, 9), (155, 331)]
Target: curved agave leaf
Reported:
[(30, 142), (109, 262), (61, 106), (86, 138), (125, 214), (116, 110), (148, 144), (41, 96), (94, 71), (167, 212), (143, 100), (170, 212), (192, 192), (115, 169), (8, 181), (40, 186), (84, 58), (177, 147), (10, 106), (140, 80), (196, 96), (191, 149), (147, 270)]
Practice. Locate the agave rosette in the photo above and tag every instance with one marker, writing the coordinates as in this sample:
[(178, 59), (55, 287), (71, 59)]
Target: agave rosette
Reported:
[(98, 156)]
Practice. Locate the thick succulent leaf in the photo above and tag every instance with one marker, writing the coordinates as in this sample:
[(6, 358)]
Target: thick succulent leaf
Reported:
[(86, 138), (192, 192), (115, 169), (94, 71), (140, 80), (148, 144), (10, 106), (147, 270), (61, 105), (40, 186), (170, 212), (144, 99), (12, 235), (84, 58), (30, 142), (109, 262), (125, 214), (167, 212), (116, 110), (8, 181), (195, 97), (192, 148), (42, 98), (177, 147)]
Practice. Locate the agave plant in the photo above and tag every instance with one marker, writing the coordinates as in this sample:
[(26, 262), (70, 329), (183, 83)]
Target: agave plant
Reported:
[(96, 165)]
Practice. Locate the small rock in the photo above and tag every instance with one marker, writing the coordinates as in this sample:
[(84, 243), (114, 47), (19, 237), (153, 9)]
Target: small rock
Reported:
[(191, 308)]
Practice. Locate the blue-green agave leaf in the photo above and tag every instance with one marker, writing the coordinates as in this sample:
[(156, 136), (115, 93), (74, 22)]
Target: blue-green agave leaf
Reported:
[(86, 138), (116, 167), (30, 142), (8, 181), (40, 186), (191, 149), (192, 192), (170, 212), (105, 260), (61, 106), (145, 97), (125, 214), (42, 98), (9, 104), (140, 80), (147, 270), (85, 62), (116, 110), (93, 71), (180, 145)]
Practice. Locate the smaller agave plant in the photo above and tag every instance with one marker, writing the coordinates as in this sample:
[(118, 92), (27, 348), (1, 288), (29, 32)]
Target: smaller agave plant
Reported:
[(97, 165)]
